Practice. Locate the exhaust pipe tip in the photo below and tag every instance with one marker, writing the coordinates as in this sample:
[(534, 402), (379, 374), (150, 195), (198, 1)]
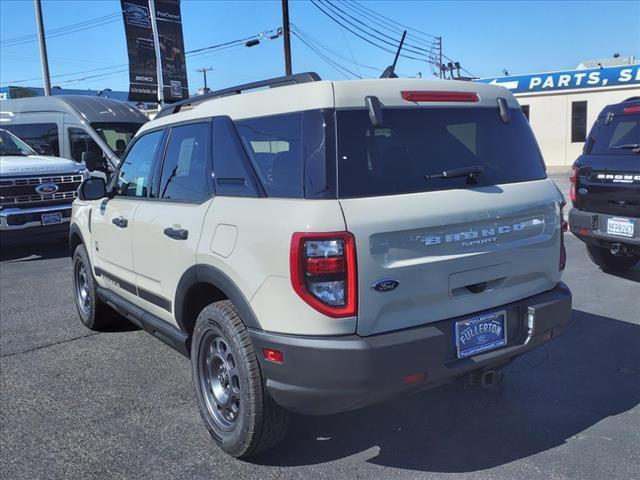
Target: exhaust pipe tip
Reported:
[(617, 249)]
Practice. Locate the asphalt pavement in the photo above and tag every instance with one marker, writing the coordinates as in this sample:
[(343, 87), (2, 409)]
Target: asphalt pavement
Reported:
[(120, 404)]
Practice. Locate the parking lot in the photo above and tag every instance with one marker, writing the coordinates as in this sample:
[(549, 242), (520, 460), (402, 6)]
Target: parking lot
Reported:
[(120, 404)]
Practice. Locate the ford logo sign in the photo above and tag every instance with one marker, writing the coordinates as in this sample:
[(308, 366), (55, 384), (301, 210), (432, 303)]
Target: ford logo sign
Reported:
[(385, 285), (47, 188)]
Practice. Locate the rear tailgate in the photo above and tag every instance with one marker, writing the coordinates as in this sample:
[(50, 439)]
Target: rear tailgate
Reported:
[(609, 184), (453, 252)]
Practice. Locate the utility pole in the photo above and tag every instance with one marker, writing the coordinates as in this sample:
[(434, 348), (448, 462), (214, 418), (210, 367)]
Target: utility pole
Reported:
[(204, 71), (43, 49), (440, 66), (287, 38)]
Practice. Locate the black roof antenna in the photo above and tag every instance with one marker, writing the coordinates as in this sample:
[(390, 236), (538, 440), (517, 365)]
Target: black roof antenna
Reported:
[(389, 72)]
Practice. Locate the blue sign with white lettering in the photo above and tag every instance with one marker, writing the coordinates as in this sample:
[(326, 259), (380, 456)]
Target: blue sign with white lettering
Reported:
[(569, 80)]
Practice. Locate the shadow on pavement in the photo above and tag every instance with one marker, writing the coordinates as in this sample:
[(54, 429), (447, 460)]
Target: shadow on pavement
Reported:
[(548, 396), (28, 251)]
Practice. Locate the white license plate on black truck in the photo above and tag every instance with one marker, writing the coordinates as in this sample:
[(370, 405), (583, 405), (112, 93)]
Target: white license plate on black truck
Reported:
[(621, 227)]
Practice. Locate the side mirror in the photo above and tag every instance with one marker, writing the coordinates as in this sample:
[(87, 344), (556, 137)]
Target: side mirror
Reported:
[(93, 188), (93, 162)]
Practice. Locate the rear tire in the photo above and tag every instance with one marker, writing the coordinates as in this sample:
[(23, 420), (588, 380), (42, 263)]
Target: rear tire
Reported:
[(234, 403), (611, 263), (94, 313)]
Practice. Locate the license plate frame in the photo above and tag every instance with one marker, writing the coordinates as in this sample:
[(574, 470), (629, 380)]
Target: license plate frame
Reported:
[(620, 226), (51, 218), (466, 331)]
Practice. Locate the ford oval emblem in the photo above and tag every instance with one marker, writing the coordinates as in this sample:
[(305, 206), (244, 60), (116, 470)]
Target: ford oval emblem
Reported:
[(385, 285), (47, 188)]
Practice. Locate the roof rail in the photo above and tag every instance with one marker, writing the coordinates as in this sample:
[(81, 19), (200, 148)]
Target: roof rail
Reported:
[(271, 82)]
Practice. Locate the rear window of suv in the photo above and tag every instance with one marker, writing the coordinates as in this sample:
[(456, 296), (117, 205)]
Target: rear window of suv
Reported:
[(412, 143), (620, 137)]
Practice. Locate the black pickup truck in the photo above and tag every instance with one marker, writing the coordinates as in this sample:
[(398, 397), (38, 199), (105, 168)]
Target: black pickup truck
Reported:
[(605, 188)]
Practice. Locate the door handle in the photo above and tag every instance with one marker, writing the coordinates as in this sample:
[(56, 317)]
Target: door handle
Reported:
[(120, 222), (176, 233)]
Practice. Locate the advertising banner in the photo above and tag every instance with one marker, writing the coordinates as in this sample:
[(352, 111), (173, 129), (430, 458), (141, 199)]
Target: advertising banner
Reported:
[(174, 68), (143, 79), (569, 80)]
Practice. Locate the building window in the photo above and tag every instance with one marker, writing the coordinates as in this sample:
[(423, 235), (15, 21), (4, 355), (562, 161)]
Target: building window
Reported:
[(525, 110), (578, 122)]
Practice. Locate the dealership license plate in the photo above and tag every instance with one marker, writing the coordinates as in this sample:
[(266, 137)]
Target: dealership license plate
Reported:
[(622, 227), (480, 334), (51, 218)]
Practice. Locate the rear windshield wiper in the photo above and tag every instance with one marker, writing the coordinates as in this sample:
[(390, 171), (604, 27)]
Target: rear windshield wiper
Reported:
[(627, 146), (470, 172)]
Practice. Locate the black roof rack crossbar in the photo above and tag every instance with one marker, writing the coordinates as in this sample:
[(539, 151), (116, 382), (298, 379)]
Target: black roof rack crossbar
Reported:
[(271, 82)]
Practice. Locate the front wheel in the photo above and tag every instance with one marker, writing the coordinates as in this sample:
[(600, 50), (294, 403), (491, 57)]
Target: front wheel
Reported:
[(234, 403), (609, 262), (94, 314)]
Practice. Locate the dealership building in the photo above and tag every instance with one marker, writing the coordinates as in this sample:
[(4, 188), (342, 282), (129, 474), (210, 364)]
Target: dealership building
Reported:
[(562, 106)]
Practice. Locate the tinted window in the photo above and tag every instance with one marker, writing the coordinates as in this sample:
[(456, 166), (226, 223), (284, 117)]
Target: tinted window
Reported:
[(42, 137), (413, 143), (80, 142), (275, 147), (620, 136), (184, 172), (578, 122), (233, 171), (134, 176), (12, 145), (116, 135)]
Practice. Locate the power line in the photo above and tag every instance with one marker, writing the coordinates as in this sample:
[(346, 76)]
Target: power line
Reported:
[(61, 31), (409, 47), (364, 38), (390, 20), (339, 68)]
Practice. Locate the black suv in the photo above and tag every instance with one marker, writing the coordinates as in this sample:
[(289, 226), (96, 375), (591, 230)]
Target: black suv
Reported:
[(605, 188)]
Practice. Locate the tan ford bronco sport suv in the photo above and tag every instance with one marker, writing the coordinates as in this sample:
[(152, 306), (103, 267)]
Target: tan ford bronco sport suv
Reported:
[(318, 246)]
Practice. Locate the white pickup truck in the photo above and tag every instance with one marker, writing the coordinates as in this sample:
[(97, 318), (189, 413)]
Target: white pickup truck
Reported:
[(36, 192)]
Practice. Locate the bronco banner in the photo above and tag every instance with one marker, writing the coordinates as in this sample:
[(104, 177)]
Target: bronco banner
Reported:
[(174, 68), (141, 46), (143, 79)]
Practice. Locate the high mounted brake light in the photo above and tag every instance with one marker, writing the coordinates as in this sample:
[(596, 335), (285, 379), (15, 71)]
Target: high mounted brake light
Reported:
[(323, 272), (629, 110), (416, 96)]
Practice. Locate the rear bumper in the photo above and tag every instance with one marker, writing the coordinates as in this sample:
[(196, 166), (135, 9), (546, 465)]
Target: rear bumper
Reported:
[(591, 228), (326, 375)]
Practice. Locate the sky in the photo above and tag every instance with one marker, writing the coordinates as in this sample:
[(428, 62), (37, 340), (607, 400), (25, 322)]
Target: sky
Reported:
[(486, 37)]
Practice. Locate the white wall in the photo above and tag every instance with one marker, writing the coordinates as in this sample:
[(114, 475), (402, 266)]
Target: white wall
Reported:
[(550, 118)]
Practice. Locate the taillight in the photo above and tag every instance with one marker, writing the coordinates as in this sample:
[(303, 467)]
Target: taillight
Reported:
[(440, 96), (630, 110), (323, 271), (564, 226), (573, 179)]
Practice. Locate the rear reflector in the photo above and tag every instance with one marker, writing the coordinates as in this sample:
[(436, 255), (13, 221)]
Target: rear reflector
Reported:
[(631, 110), (272, 355), (414, 378), (440, 97)]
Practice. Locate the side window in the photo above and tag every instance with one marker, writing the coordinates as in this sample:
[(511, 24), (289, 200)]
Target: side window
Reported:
[(525, 110), (136, 170), (578, 122), (42, 137), (80, 142), (184, 171), (275, 147)]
